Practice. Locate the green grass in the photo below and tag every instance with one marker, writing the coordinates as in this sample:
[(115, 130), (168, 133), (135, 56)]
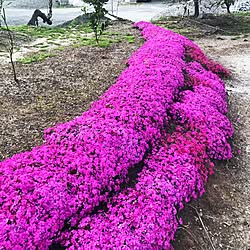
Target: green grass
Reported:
[(76, 35), (60, 48), (41, 46), (236, 38), (104, 42), (242, 13), (74, 32), (129, 38), (36, 57), (50, 32)]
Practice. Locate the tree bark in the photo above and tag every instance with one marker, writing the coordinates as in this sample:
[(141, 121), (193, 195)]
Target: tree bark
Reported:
[(196, 8), (34, 19), (1, 7), (228, 7)]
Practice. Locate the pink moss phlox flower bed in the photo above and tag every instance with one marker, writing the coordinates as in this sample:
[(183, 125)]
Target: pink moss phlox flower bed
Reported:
[(144, 217), (50, 197)]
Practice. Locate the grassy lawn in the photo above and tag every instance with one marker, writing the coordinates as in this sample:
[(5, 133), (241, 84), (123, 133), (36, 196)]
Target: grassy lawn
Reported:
[(47, 41)]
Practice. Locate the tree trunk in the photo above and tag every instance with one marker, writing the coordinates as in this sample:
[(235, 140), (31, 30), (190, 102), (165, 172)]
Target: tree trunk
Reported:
[(228, 7), (37, 13), (196, 8), (1, 7)]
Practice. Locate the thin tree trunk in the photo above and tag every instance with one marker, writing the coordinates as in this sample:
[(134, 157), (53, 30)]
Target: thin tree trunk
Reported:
[(11, 47), (196, 8), (228, 7), (1, 7)]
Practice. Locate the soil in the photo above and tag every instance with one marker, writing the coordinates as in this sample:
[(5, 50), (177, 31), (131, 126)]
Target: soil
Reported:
[(57, 89), (62, 87), (224, 209)]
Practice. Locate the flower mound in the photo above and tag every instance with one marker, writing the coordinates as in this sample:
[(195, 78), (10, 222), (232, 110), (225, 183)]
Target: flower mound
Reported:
[(51, 196)]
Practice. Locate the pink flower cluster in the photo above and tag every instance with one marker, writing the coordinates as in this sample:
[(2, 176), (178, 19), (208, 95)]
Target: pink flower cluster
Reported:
[(204, 107), (144, 217), (194, 53), (49, 196)]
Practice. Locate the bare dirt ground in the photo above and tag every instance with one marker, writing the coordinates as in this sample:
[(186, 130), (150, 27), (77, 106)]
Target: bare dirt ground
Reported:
[(57, 89), (62, 87), (224, 209)]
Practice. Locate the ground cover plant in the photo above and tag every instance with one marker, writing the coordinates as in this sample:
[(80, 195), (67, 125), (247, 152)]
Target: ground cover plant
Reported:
[(51, 195)]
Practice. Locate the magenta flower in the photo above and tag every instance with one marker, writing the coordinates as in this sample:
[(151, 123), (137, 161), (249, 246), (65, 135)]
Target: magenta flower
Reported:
[(165, 114)]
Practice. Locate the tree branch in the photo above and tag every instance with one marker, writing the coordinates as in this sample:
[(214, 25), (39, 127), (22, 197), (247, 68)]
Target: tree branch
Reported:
[(11, 47)]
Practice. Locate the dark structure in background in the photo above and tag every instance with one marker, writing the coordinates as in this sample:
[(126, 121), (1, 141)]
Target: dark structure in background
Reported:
[(143, 1), (46, 18), (34, 19)]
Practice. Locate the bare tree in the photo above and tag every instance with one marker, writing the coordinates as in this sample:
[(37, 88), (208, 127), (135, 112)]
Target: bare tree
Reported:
[(97, 17), (228, 4), (1, 9), (10, 46), (218, 3)]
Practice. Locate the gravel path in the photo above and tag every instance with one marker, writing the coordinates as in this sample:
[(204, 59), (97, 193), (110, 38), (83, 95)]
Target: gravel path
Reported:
[(236, 56)]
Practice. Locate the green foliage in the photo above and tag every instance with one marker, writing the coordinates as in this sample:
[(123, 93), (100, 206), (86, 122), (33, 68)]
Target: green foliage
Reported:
[(97, 18), (129, 38), (57, 39), (79, 35), (236, 38), (242, 14), (104, 41), (50, 32), (36, 57), (60, 48)]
